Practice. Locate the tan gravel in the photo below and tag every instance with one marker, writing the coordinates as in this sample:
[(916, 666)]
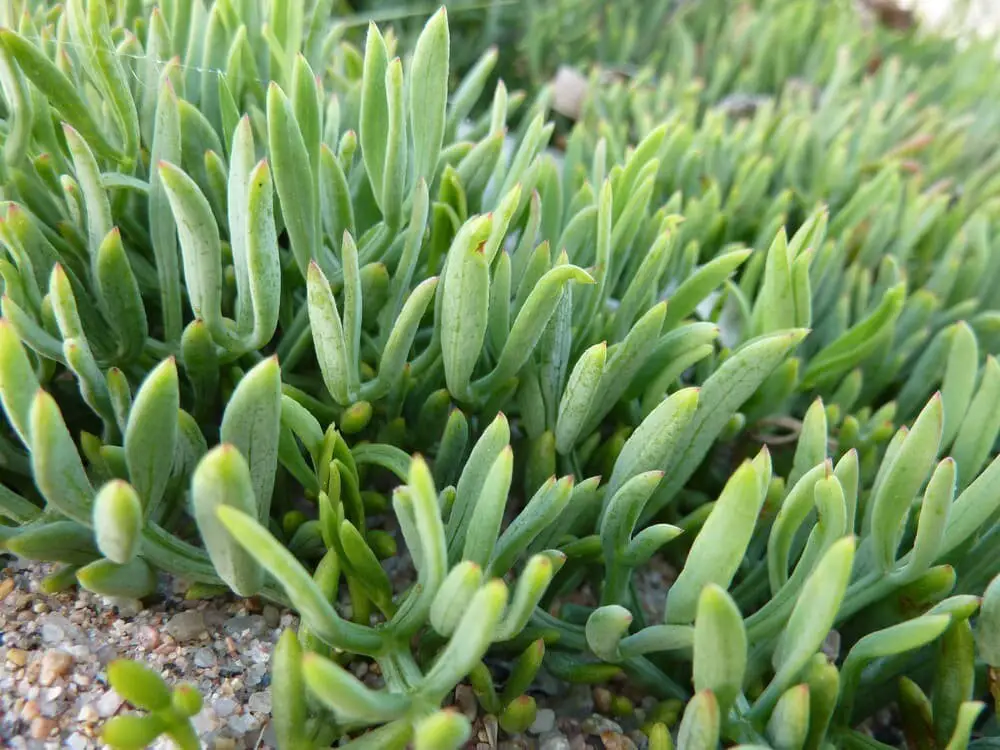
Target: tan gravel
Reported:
[(55, 647)]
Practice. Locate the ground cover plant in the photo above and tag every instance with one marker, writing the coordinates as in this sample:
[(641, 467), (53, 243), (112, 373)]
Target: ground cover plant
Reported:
[(283, 301)]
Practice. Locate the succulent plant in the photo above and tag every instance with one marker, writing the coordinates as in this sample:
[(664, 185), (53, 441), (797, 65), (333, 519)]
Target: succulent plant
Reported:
[(168, 710), (279, 305)]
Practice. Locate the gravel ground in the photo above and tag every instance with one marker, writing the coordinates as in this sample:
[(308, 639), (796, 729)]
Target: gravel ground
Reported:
[(55, 648)]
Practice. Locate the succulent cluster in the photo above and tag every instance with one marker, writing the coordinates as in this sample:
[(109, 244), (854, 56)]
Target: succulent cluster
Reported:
[(280, 305)]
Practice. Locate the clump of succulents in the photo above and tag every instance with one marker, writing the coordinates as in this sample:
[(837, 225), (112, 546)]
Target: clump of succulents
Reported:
[(278, 307)]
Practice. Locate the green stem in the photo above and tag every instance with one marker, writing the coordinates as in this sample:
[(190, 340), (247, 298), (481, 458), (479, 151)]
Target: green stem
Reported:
[(289, 337), (982, 565), (616, 582), (300, 345), (174, 555), (399, 669), (654, 678)]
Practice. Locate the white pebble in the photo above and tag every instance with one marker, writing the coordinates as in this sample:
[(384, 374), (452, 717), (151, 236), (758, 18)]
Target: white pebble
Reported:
[(555, 742), (242, 724), (109, 703), (260, 702), (205, 722), (205, 658), (544, 721), (224, 707)]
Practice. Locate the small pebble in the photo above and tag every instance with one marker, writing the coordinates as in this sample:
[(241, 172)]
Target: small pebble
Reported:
[(56, 629), (613, 741), (599, 725), (6, 586), (148, 638), (41, 727), (88, 714), (578, 703), (205, 658), (272, 616), (465, 698), (491, 727), (242, 724), (185, 626), (831, 645), (55, 663), (545, 721), (236, 626), (205, 722), (77, 741), (224, 707), (108, 704), (17, 657), (555, 742), (30, 711), (126, 606), (602, 699), (260, 702)]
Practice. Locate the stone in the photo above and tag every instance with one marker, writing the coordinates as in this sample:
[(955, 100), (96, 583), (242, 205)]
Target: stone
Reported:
[(554, 742), (77, 741), (579, 702), (56, 629), (260, 702), (6, 586), (235, 626), (272, 616), (831, 645), (205, 658), (41, 727), (569, 90), (602, 699), (88, 714), (269, 737), (242, 724), (599, 725), (491, 728), (55, 664), (51, 708), (224, 707), (545, 721), (205, 722), (148, 638), (126, 606), (30, 711), (108, 704), (185, 626), (106, 654), (614, 741), (466, 701), (17, 657)]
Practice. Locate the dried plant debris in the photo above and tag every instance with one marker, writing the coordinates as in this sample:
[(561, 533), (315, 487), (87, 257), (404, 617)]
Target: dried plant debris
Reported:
[(682, 433)]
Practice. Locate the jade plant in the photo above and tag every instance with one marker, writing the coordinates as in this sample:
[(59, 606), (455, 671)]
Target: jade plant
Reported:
[(285, 298)]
